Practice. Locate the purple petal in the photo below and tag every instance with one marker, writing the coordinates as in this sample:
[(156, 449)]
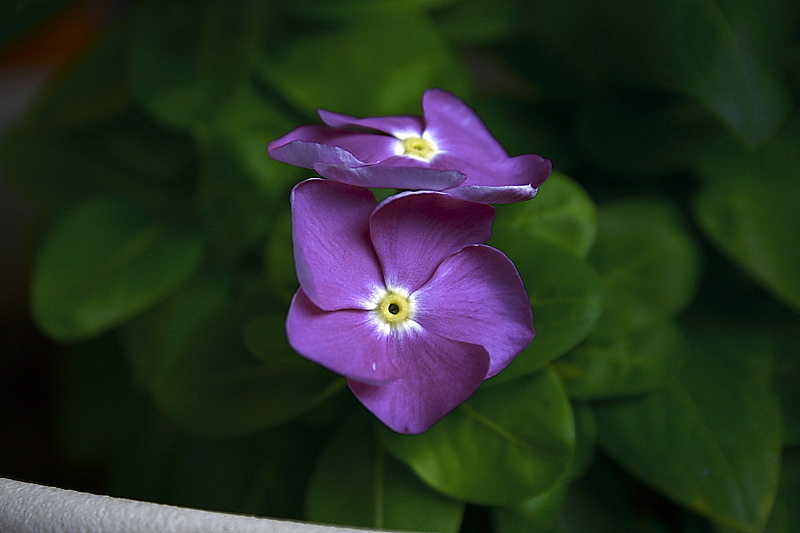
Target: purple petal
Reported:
[(307, 145), (413, 232), (346, 342), (334, 258), (457, 128), (477, 296), (405, 173), (527, 169), (390, 125), (439, 374)]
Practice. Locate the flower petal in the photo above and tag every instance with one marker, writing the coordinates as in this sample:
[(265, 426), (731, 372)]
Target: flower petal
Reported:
[(504, 194), (477, 296), (404, 173), (307, 145), (334, 258), (438, 375), (346, 342), (457, 128), (527, 169), (413, 232), (390, 125)]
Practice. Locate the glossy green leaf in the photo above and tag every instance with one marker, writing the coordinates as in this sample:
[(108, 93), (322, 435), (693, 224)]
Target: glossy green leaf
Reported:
[(562, 213), (104, 262), (195, 355), (566, 296), (505, 445), (748, 207), (648, 262), (712, 440), (378, 68), (357, 483), (185, 63), (637, 362)]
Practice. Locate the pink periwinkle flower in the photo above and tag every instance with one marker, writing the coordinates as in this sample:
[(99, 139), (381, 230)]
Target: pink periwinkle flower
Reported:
[(448, 149), (403, 299)]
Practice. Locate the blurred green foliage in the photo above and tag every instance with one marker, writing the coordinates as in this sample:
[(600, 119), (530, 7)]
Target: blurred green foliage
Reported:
[(661, 392)]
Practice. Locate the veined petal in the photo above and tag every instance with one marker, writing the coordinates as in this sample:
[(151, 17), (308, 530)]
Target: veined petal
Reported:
[(333, 255), (393, 125), (408, 174), (413, 232), (307, 145), (477, 296), (437, 375), (346, 341), (457, 128)]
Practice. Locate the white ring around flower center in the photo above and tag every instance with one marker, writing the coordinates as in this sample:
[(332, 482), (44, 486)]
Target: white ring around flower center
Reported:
[(412, 145), (393, 311)]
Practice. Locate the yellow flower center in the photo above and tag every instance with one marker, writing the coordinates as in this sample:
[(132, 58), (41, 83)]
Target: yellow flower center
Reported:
[(419, 148), (394, 311)]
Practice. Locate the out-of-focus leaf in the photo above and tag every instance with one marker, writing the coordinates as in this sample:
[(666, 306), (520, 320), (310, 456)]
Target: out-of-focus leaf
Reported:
[(648, 262), (193, 358), (566, 297), (723, 53), (241, 189), (644, 133), (505, 445), (540, 514), (104, 262), (357, 483), (748, 207), (637, 362), (129, 156), (470, 21), (360, 11), (787, 382), (379, 68), (97, 408), (785, 517), (712, 440), (186, 63), (562, 213), (90, 91)]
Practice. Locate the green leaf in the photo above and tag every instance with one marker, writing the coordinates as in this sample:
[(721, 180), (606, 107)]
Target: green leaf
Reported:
[(787, 378), (104, 262), (357, 483), (566, 296), (723, 53), (748, 207), (562, 213), (540, 514), (377, 68), (785, 517), (712, 440), (195, 355), (241, 190), (648, 262), (505, 445), (186, 62), (637, 362)]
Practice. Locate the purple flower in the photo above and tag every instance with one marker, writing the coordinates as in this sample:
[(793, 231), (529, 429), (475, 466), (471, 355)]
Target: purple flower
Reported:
[(403, 299), (449, 149)]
